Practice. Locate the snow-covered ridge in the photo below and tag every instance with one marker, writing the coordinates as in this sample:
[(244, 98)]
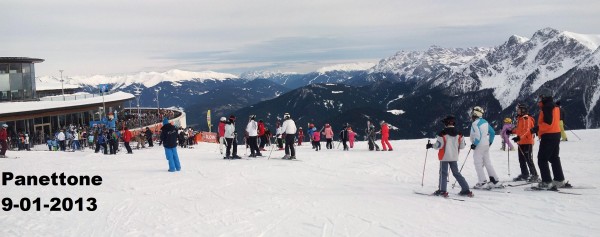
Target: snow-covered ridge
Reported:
[(148, 79), (264, 74), (346, 67), (590, 41)]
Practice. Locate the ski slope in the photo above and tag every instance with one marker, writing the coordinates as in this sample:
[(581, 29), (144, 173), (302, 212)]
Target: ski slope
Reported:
[(325, 193)]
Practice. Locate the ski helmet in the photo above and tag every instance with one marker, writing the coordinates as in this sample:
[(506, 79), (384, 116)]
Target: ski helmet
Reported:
[(286, 116), (223, 119), (477, 112), (232, 117), (300, 128), (545, 93), (5, 125), (507, 120), (382, 122), (449, 120)]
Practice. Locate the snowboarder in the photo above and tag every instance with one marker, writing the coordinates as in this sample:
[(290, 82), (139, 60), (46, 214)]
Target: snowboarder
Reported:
[(563, 134), (524, 140), (252, 131), (482, 137), (3, 139), (231, 139), (449, 142), (385, 135), (289, 128), (168, 136), (548, 130), (328, 136), (506, 133)]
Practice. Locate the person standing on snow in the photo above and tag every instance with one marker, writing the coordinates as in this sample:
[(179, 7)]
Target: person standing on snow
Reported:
[(505, 135), (316, 140), (548, 130), (344, 136), (351, 135), (168, 136), (252, 131), (524, 140), (231, 139), (126, 139), (3, 139), (311, 130), (482, 137), (385, 136), (289, 128), (300, 136), (261, 135), (221, 134), (449, 142), (279, 136), (61, 140), (328, 136), (371, 135), (148, 134)]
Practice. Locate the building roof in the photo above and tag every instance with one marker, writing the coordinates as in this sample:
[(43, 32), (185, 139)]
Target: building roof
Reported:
[(20, 60)]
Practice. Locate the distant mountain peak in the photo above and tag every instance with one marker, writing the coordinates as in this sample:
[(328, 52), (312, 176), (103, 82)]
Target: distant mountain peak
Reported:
[(348, 67), (251, 75), (545, 34)]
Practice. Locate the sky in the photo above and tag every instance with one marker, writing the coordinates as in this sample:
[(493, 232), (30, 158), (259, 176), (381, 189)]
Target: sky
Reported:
[(112, 37)]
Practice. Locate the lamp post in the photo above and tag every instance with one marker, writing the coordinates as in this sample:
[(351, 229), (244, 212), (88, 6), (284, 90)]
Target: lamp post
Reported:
[(137, 97), (62, 87)]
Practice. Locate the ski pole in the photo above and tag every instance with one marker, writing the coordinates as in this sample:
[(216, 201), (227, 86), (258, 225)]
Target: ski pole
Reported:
[(425, 163), (508, 159), (571, 131), (463, 165), (271, 152)]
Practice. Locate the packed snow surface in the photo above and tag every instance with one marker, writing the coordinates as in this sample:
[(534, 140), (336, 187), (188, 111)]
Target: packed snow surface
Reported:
[(324, 193)]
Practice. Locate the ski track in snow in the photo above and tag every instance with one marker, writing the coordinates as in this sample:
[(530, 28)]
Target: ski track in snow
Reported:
[(329, 193)]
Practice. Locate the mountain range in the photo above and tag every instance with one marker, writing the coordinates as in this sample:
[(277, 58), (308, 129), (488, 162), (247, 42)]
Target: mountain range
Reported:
[(412, 90)]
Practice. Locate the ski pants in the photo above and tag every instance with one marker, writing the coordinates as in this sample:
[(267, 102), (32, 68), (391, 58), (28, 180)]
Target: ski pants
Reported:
[(173, 159), (112, 145), (62, 145), (127, 147), (149, 139), (526, 160), (231, 143), (316, 145), (329, 145), (300, 138), (252, 142), (289, 145), (279, 143), (385, 141), (481, 159), (549, 151), (351, 143), (263, 141), (345, 145), (4, 147), (444, 175), (103, 145)]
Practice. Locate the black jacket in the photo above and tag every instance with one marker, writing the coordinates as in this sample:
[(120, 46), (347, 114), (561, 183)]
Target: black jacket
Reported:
[(168, 136)]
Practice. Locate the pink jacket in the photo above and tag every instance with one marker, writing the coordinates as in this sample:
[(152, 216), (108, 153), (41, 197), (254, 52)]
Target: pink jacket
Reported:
[(328, 133), (316, 137), (351, 135)]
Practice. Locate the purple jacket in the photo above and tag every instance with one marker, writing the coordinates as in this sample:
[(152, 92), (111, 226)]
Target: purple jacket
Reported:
[(506, 126)]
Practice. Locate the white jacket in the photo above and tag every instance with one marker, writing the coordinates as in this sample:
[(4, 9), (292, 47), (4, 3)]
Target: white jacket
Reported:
[(229, 130), (252, 128), (482, 134), (61, 136), (288, 127)]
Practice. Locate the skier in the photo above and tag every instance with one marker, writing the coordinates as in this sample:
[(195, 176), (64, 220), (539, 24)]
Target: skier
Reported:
[(524, 140), (328, 136), (316, 140), (3, 139), (289, 128), (449, 142), (168, 136), (221, 134), (300, 136), (230, 138), (505, 134), (310, 131), (252, 131), (563, 134), (351, 136), (261, 135), (385, 135), (370, 131), (344, 136), (279, 136), (126, 139), (548, 130), (482, 137)]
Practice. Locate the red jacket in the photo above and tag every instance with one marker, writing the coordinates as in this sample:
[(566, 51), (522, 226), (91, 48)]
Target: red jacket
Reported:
[(3, 134), (221, 129), (127, 136), (261, 129), (300, 133), (385, 131)]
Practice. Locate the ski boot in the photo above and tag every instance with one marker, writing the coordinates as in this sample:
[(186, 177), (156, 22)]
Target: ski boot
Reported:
[(440, 193), (466, 193)]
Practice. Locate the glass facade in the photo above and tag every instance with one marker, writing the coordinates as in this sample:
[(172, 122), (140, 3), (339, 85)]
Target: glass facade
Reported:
[(17, 81)]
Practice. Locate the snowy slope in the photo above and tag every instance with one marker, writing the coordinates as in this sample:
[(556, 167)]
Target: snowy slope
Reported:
[(346, 67), (148, 79), (326, 193)]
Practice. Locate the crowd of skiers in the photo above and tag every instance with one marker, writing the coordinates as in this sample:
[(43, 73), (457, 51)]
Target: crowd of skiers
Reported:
[(548, 128)]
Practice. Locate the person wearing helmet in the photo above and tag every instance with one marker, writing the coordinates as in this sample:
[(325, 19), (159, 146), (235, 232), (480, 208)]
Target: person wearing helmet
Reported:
[(262, 137), (524, 140), (371, 136), (289, 128), (221, 133), (300, 136), (252, 131), (385, 136), (449, 142), (482, 137), (505, 134), (548, 130), (3, 138), (231, 139)]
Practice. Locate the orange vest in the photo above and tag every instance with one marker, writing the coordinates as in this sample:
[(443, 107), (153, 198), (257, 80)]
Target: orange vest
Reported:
[(523, 130), (549, 128)]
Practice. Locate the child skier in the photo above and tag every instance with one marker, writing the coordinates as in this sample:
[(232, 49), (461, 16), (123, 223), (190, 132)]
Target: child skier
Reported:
[(482, 137), (328, 136), (351, 135), (449, 142), (505, 134), (316, 140), (300, 136)]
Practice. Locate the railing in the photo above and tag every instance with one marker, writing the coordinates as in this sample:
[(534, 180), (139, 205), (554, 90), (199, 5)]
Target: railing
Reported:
[(72, 97)]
